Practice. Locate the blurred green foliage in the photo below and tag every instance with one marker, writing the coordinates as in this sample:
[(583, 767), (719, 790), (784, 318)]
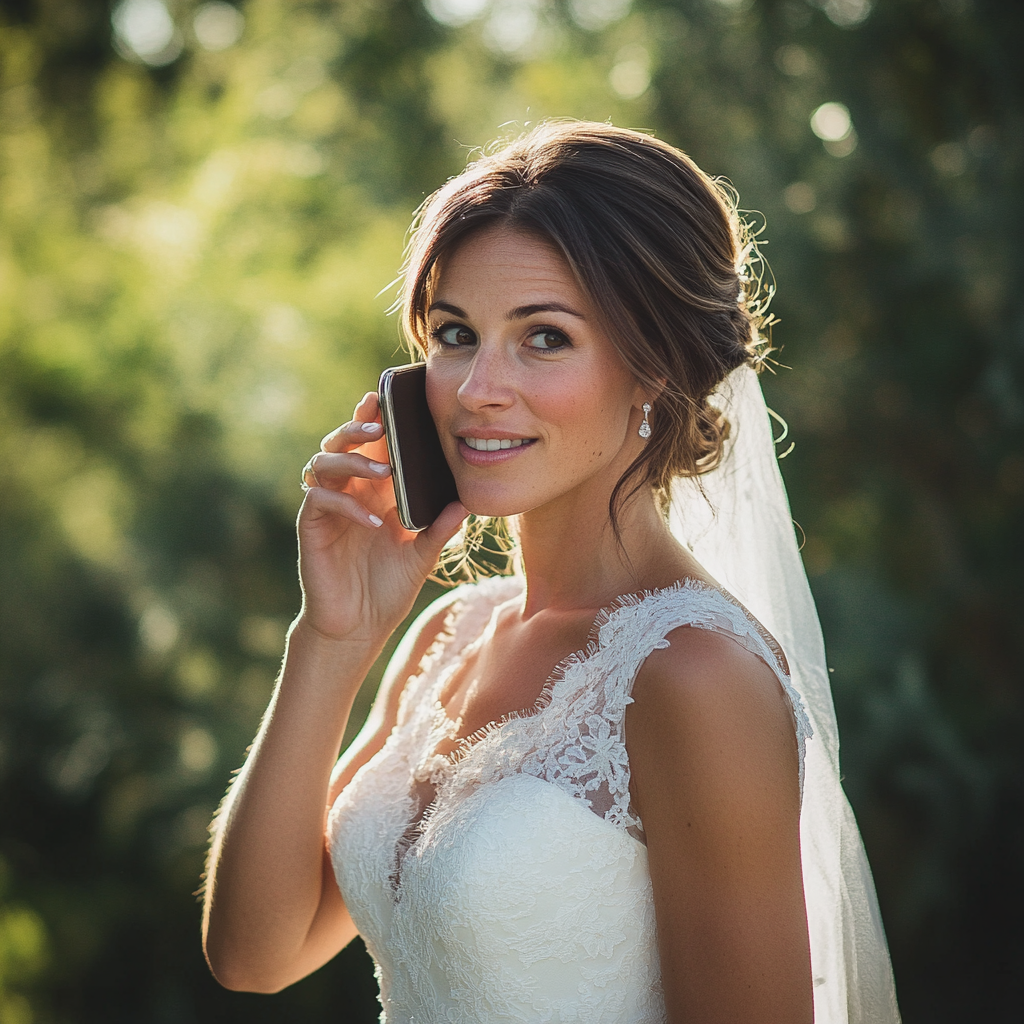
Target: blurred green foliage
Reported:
[(200, 213)]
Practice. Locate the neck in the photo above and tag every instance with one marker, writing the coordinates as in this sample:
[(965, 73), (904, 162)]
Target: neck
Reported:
[(572, 559)]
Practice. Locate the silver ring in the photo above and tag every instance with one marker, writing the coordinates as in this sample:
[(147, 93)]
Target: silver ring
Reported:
[(309, 471)]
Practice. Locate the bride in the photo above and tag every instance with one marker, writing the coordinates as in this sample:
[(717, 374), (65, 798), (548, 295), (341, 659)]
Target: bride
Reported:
[(598, 789)]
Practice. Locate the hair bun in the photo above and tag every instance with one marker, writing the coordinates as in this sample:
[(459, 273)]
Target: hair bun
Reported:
[(713, 431), (741, 338)]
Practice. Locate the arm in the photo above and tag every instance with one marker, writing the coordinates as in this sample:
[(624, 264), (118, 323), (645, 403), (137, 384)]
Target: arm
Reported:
[(713, 758), (272, 910), (272, 913)]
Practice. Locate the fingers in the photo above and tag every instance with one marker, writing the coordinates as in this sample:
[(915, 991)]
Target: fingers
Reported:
[(327, 469), (351, 435), (364, 427), (320, 501)]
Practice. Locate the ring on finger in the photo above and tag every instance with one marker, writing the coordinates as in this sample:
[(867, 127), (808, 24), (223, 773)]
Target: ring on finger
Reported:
[(309, 474)]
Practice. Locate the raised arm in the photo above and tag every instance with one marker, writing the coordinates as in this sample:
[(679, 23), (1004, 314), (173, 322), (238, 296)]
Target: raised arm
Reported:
[(713, 756), (272, 910)]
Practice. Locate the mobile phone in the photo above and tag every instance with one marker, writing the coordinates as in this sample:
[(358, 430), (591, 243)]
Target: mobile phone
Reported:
[(423, 480)]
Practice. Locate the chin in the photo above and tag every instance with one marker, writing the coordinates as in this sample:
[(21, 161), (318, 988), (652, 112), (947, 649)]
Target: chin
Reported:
[(492, 505), (492, 509)]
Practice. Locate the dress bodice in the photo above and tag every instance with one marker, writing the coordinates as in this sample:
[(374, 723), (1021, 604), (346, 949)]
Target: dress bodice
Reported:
[(521, 892)]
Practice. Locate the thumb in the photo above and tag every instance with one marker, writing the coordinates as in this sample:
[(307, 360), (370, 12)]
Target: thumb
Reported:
[(431, 540)]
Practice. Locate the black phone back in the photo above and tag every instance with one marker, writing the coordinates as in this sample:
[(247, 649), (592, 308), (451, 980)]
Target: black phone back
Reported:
[(423, 481)]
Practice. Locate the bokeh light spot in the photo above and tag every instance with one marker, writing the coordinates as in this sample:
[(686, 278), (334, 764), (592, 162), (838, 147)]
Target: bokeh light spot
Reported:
[(218, 25), (594, 15), (799, 197), (842, 147), (284, 325), (145, 30), (511, 26), (949, 159), (455, 12), (846, 13), (197, 750), (262, 635), (631, 74), (158, 629), (793, 60), (831, 122)]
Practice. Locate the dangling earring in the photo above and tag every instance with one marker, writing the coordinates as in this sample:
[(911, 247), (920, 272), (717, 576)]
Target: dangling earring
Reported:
[(645, 427)]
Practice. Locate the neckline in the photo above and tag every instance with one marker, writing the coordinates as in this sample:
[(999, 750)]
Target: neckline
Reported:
[(446, 725), (438, 770)]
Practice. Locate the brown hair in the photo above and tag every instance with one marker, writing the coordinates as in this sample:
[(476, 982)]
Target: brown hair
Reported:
[(654, 242)]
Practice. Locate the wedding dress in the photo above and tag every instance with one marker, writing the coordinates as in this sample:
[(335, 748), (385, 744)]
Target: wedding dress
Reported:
[(522, 894), (508, 882)]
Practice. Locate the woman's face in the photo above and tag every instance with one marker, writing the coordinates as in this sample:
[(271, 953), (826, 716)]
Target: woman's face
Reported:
[(532, 403)]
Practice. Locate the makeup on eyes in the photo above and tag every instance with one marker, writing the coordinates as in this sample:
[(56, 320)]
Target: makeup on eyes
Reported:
[(445, 335), (438, 334), (561, 336)]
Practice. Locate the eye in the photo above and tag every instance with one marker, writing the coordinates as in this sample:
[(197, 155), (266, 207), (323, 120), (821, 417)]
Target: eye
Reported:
[(453, 335), (547, 339)]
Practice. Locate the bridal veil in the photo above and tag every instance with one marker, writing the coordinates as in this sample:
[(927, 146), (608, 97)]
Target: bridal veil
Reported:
[(737, 522)]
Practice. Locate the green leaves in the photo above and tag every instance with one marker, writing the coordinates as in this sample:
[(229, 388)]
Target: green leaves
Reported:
[(196, 245)]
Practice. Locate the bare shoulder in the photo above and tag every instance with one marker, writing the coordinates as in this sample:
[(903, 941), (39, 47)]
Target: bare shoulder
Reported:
[(707, 708), (704, 666), (714, 767)]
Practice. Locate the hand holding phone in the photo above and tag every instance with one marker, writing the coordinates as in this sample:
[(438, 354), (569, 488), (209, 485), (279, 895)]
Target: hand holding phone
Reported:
[(359, 568), (423, 480)]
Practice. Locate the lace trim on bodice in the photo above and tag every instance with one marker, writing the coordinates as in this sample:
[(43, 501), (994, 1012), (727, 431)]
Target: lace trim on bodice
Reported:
[(573, 736)]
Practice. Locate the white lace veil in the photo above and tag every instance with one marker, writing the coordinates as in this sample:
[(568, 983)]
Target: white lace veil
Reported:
[(741, 532)]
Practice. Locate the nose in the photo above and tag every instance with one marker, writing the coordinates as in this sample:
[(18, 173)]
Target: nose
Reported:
[(488, 381)]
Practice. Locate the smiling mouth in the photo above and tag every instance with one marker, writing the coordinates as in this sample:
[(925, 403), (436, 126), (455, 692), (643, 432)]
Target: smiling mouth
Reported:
[(493, 444)]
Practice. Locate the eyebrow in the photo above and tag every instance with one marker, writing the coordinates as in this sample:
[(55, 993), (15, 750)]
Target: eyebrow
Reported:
[(519, 313), (522, 312)]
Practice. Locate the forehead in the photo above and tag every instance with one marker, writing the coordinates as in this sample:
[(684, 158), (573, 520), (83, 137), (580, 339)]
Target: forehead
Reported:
[(507, 260)]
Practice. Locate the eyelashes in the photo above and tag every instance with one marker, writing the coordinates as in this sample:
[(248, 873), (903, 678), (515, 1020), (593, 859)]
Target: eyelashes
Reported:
[(551, 334), (455, 335)]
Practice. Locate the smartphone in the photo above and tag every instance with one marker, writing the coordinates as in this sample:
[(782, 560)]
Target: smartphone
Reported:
[(423, 480)]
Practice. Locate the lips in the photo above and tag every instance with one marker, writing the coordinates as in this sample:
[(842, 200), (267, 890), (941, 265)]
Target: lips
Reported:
[(487, 451)]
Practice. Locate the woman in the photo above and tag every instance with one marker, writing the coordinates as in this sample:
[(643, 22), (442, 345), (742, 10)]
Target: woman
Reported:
[(594, 790)]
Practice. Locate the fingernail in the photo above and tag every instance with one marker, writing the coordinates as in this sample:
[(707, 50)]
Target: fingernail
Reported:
[(375, 520), (380, 468), (371, 428)]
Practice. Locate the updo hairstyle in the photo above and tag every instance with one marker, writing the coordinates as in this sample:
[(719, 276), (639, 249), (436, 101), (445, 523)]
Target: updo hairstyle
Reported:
[(654, 242)]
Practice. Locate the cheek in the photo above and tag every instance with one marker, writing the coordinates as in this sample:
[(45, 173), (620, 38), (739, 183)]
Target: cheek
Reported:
[(590, 426), (552, 405), (594, 406), (440, 395)]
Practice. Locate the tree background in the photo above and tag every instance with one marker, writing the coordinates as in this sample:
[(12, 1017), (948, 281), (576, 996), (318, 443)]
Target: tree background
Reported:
[(199, 208)]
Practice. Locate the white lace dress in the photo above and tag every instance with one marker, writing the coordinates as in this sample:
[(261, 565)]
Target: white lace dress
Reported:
[(522, 893)]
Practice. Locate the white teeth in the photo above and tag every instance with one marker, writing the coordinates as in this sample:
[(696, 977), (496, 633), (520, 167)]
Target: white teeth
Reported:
[(492, 444)]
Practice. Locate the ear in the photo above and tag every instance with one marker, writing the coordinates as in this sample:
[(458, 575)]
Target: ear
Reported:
[(647, 393)]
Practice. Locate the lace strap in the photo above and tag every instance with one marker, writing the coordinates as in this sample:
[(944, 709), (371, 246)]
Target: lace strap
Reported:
[(576, 739), (468, 614), (637, 624)]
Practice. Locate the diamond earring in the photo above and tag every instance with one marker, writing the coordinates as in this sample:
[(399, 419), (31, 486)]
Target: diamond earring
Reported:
[(645, 427)]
